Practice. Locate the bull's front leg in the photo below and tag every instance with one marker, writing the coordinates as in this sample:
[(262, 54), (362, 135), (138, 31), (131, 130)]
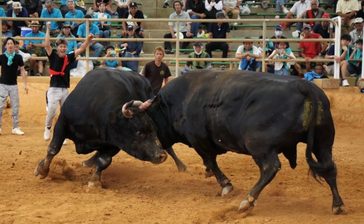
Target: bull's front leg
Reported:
[(180, 165), (42, 168)]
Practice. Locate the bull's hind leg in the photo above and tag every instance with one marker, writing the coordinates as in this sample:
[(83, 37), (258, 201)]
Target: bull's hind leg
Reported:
[(269, 165), (103, 159), (180, 165), (53, 149)]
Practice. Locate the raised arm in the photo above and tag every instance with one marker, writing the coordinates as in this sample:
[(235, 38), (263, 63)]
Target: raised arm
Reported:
[(84, 45), (47, 41)]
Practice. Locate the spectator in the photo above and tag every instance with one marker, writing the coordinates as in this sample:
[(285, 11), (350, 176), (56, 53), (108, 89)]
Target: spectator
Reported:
[(73, 13), (345, 40), (202, 32), (278, 34), (107, 6), (5, 28), (314, 13), (218, 30), (110, 63), (280, 8), (347, 10), (282, 52), (93, 29), (323, 28), (65, 34), (157, 72), (167, 3), (34, 7), (232, 8), (104, 26), (79, 5), (309, 50), (59, 70), (297, 10), (132, 49), (317, 73), (197, 53), (361, 11), (50, 11), (122, 8), (2, 12), (17, 11), (248, 53), (357, 33), (134, 13), (35, 48), (10, 63), (353, 65), (196, 10), (212, 7), (184, 27)]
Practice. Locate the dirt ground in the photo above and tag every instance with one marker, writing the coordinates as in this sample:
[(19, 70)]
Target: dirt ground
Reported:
[(140, 192)]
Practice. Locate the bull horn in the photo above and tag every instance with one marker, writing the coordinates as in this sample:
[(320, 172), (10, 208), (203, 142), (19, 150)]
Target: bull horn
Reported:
[(126, 111)]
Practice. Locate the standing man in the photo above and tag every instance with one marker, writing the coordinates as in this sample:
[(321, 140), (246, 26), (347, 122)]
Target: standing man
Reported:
[(59, 70), (157, 72), (11, 63)]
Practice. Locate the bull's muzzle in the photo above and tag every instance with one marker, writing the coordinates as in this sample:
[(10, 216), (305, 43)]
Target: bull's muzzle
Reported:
[(160, 157)]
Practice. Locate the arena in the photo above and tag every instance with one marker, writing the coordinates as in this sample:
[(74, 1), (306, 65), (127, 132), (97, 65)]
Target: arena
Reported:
[(139, 192)]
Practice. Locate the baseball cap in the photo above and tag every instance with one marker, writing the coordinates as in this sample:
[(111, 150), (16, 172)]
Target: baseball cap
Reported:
[(16, 5), (133, 5), (358, 20), (306, 26)]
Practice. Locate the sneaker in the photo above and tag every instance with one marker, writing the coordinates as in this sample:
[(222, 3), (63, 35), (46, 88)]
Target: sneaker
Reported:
[(345, 83), (65, 142), (47, 134), (17, 131)]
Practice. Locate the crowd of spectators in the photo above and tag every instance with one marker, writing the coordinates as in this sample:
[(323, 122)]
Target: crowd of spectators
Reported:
[(249, 53)]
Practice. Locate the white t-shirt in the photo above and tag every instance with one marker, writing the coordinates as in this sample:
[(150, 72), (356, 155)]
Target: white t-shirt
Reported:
[(254, 50), (299, 8), (230, 3)]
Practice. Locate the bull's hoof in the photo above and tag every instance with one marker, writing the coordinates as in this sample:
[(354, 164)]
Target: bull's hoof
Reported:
[(338, 210), (181, 167), (41, 170), (227, 189), (246, 207)]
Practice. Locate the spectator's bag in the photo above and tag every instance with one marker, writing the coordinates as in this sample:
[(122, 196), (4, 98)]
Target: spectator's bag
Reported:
[(81, 69)]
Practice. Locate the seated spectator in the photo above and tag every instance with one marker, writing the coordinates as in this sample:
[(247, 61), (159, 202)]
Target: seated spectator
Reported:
[(357, 33), (248, 53), (122, 8), (278, 34), (34, 7), (17, 11), (280, 8), (202, 32), (2, 12), (134, 13), (345, 40), (347, 10), (323, 28), (79, 5), (198, 52), (93, 29), (107, 3), (157, 72), (184, 27), (218, 30), (167, 3), (73, 13), (297, 10), (309, 50), (35, 48), (110, 63), (232, 8), (282, 52), (317, 73), (132, 49), (5, 28), (51, 11), (314, 13), (212, 7), (65, 34), (104, 26), (353, 65), (196, 10)]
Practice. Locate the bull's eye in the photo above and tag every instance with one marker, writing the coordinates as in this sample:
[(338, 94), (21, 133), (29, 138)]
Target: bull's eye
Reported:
[(140, 134)]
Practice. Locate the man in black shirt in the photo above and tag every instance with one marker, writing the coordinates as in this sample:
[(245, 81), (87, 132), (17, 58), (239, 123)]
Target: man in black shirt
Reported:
[(218, 30), (11, 63), (134, 13), (157, 72), (59, 70)]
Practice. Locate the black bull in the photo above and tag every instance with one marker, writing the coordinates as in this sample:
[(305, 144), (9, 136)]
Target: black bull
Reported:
[(255, 114)]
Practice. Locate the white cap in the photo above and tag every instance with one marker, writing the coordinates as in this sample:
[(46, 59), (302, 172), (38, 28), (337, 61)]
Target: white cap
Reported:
[(358, 20)]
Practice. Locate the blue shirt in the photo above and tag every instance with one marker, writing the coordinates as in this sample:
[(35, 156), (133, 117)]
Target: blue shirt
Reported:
[(64, 2), (111, 63), (73, 15), (97, 16), (2, 12), (71, 44), (81, 32), (31, 34), (54, 13)]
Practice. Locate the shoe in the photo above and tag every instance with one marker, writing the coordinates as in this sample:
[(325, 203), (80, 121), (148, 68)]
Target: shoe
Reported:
[(168, 51), (47, 134), (65, 142), (17, 131), (345, 83)]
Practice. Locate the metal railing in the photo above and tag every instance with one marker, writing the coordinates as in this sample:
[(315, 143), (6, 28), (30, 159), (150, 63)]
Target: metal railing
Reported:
[(336, 21)]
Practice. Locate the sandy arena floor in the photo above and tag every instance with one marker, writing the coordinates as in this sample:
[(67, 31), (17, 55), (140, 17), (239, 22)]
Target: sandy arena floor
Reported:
[(139, 192)]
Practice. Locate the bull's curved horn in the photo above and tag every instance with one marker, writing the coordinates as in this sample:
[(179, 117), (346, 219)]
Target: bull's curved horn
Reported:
[(126, 109)]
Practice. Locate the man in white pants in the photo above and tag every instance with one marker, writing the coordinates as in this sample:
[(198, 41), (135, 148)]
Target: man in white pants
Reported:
[(59, 70)]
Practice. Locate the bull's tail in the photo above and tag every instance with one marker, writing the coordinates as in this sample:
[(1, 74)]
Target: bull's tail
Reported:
[(317, 168)]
